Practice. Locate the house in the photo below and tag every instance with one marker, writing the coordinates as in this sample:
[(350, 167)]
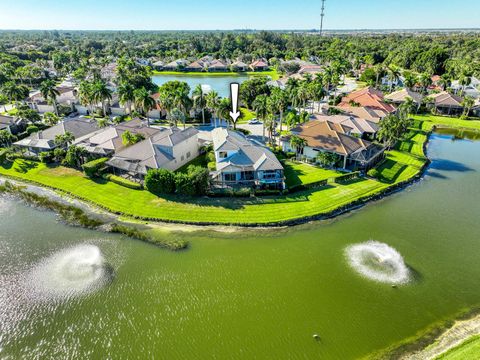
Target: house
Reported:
[(447, 104), (176, 65), (242, 162), (239, 66), (45, 140), (326, 136), (198, 65), (167, 149), (67, 96), (12, 124), (399, 97), (351, 125), (107, 141), (368, 97), (158, 65), (217, 66), (310, 69), (471, 90), (259, 65), (365, 112), (397, 82)]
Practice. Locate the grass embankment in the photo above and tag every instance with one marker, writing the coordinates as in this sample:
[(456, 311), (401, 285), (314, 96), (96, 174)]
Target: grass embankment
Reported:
[(429, 121), (304, 174), (401, 165), (470, 349), (271, 73)]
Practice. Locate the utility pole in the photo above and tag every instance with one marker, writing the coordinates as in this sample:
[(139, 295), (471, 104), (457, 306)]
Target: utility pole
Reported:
[(322, 16)]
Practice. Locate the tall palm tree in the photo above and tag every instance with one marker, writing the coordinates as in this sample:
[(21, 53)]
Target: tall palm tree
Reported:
[(143, 101), (224, 108), (85, 94), (467, 104), (176, 115), (126, 95), (298, 144), (280, 103), (393, 75), (101, 94), (425, 81), (50, 92), (13, 92), (212, 101), (199, 101), (261, 107)]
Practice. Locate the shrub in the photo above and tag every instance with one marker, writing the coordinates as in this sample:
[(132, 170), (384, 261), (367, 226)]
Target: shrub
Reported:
[(31, 129), (123, 182), (211, 157), (160, 181), (46, 157), (347, 177), (3, 155), (212, 166), (184, 185), (59, 154), (200, 179), (93, 168)]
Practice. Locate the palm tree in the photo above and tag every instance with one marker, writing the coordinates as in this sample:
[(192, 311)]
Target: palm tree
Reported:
[(298, 144), (176, 115), (212, 102), (64, 140), (14, 92), (410, 79), (199, 101), (270, 125), (85, 94), (102, 122), (425, 81), (50, 119), (129, 139), (279, 103), (224, 108), (126, 95), (101, 94), (50, 92), (260, 105), (408, 107), (143, 101), (393, 75), (467, 104)]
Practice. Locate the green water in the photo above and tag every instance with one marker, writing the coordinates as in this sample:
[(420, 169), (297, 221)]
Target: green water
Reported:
[(254, 295)]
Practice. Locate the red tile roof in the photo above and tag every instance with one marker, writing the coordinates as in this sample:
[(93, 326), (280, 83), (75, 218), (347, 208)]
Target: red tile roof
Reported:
[(368, 97)]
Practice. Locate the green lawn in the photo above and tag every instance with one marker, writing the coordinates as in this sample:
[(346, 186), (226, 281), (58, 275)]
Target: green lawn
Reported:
[(431, 120), (470, 349), (247, 115), (304, 174), (141, 203), (272, 73)]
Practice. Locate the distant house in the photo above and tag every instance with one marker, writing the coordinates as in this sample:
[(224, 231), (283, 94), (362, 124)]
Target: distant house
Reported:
[(398, 82), (176, 65), (447, 104), (327, 136), (107, 141), (368, 97), (158, 65), (217, 66), (241, 162), (371, 114), (259, 65), (399, 97), (198, 65), (472, 89), (45, 140), (67, 96), (239, 66), (280, 83), (351, 125), (11, 124), (167, 149), (310, 69)]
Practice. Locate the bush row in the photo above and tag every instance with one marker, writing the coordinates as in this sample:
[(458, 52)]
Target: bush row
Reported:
[(347, 177), (314, 185), (94, 168), (123, 182), (195, 182)]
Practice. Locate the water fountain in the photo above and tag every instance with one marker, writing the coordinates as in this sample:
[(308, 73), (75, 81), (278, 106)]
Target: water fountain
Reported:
[(378, 261), (71, 272)]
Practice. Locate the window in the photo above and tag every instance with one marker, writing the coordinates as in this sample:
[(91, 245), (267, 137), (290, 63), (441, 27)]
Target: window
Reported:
[(183, 158), (230, 177), (270, 174), (222, 154), (188, 155)]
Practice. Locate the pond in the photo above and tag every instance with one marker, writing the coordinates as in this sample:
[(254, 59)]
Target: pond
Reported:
[(219, 83), (252, 294)]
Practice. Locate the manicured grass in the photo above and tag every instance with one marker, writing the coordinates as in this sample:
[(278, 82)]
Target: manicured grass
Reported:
[(247, 115), (141, 203), (470, 349), (304, 174), (404, 162), (429, 121), (272, 73), (198, 161)]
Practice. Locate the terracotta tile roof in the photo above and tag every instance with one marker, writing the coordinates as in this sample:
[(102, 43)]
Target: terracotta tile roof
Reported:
[(367, 97)]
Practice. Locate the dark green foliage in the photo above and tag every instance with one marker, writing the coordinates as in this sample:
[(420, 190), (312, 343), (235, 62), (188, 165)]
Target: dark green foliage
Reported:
[(252, 88), (160, 181), (347, 177), (123, 182), (92, 168), (75, 156), (200, 179), (32, 129), (184, 185), (46, 157)]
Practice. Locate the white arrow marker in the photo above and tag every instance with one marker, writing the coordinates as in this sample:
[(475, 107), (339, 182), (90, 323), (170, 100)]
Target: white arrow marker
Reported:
[(234, 114)]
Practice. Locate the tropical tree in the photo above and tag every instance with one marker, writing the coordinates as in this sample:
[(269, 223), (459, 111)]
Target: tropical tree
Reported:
[(50, 119), (425, 81), (212, 101), (298, 144), (28, 115), (75, 156), (224, 108), (49, 92), (102, 122), (279, 103), (408, 107), (126, 95), (6, 138), (410, 79), (176, 116), (467, 104), (64, 140), (129, 139), (85, 94), (199, 102), (101, 94), (261, 107), (393, 75), (393, 128), (144, 102), (13, 92)]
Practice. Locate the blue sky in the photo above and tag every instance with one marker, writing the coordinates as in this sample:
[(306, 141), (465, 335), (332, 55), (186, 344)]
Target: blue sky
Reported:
[(252, 14)]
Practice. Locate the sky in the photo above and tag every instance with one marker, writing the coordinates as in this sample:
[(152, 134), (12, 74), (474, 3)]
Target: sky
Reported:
[(245, 14)]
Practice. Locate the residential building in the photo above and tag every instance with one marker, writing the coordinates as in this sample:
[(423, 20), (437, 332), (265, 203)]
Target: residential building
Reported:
[(169, 149), (11, 124), (364, 112), (176, 65), (242, 162), (107, 141), (259, 65), (45, 140), (158, 65), (239, 66), (217, 66), (446, 103), (399, 97), (310, 69), (327, 136), (351, 125), (67, 96), (368, 97)]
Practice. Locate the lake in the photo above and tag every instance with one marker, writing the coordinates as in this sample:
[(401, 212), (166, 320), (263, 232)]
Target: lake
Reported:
[(219, 83), (252, 294)]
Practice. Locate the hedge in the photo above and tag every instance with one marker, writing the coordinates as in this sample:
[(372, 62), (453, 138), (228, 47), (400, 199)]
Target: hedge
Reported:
[(92, 168), (347, 177), (123, 182), (314, 185)]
